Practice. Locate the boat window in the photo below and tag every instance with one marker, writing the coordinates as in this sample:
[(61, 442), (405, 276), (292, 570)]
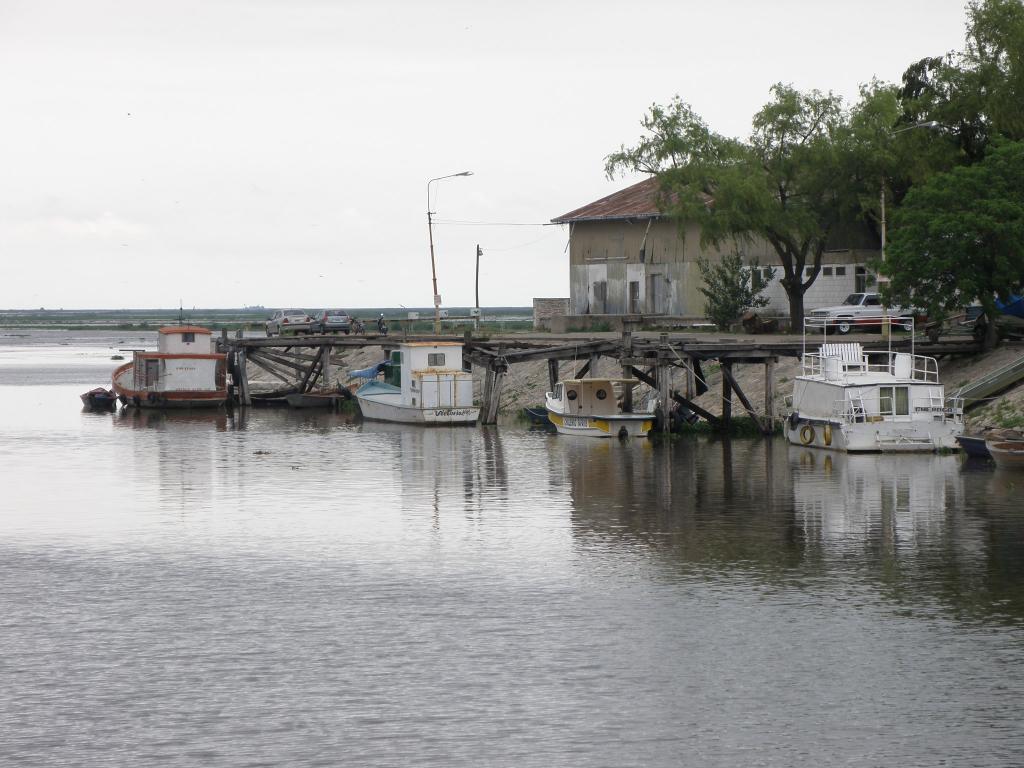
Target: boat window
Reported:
[(188, 338), (885, 401), (601, 394), (571, 394), (902, 401), (435, 359)]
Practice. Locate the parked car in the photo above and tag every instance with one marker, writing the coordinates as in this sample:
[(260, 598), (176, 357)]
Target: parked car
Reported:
[(288, 321), (861, 311), (332, 321)]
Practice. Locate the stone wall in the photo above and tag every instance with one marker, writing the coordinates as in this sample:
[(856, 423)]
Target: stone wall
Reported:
[(545, 309)]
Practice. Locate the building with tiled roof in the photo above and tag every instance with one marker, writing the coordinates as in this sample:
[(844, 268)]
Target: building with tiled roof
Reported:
[(628, 258)]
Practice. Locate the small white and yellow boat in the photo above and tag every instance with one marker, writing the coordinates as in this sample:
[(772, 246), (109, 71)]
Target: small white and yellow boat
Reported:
[(593, 408)]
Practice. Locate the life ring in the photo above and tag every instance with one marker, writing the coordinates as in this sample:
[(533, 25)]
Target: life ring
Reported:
[(806, 434), (151, 397), (826, 434)]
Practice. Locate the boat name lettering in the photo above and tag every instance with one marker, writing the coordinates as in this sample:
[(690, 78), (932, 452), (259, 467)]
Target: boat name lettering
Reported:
[(453, 412), (577, 421)]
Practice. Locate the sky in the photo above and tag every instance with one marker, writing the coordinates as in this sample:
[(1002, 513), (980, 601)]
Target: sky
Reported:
[(230, 153)]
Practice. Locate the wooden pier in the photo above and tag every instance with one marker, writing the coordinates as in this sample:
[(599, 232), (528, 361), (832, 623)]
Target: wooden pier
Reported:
[(655, 359)]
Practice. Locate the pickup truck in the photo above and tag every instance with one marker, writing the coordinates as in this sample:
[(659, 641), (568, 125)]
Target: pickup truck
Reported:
[(860, 310)]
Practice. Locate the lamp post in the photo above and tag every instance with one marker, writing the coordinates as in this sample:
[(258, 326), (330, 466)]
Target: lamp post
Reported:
[(433, 263), (881, 277)]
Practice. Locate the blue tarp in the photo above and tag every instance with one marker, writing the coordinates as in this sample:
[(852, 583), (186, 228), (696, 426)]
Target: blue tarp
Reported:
[(1014, 306), (369, 373)]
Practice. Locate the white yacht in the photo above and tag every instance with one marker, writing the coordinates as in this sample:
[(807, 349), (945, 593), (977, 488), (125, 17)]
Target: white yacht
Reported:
[(424, 383), (593, 408), (848, 399)]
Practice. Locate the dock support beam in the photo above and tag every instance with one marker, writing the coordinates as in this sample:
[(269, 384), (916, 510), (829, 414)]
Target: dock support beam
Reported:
[(664, 379), (242, 385), (769, 394), (492, 392), (552, 373), (727, 393)]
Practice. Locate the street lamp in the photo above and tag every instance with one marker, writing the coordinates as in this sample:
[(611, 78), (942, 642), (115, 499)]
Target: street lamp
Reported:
[(881, 277), (433, 263)]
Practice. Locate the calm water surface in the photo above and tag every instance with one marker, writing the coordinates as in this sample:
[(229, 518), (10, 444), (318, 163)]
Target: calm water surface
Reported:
[(287, 588)]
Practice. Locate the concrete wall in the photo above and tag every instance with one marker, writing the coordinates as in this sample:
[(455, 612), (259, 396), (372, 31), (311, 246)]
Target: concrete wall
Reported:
[(545, 309)]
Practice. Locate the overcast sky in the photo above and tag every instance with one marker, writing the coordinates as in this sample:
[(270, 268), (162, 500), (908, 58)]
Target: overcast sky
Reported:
[(238, 152)]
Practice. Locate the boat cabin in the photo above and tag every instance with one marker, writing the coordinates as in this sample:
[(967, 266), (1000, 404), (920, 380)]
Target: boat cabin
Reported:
[(184, 362), (843, 382), (430, 375), (590, 397)]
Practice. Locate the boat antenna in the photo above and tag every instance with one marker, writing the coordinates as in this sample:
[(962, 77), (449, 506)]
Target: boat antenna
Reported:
[(181, 313)]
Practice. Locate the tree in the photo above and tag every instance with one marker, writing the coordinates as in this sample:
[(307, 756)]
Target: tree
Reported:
[(959, 237), (790, 183), (976, 95), (728, 288)]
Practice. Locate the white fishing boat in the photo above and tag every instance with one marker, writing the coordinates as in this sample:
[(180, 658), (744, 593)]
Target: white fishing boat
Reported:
[(184, 372), (593, 408), (849, 399), (424, 383)]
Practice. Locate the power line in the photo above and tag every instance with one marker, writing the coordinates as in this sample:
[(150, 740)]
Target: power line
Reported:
[(453, 222)]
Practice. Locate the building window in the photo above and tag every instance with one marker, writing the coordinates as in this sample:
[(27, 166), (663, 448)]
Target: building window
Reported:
[(809, 271), (860, 279), (840, 271), (435, 359), (188, 338), (759, 277), (826, 271)]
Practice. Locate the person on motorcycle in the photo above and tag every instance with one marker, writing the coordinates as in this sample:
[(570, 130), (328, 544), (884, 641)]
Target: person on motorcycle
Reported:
[(382, 326)]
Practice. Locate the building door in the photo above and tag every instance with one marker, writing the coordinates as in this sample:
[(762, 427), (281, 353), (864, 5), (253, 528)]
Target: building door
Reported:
[(657, 294), (152, 372), (600, 297), (634, 297)]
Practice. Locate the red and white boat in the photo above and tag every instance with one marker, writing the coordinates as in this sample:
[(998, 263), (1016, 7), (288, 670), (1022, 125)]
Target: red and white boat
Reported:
[(184, 372)]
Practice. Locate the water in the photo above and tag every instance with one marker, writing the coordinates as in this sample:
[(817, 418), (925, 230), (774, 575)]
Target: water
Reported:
[(291, 588)]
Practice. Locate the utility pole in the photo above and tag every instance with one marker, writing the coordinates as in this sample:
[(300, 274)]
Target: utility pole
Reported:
[(478, 254)]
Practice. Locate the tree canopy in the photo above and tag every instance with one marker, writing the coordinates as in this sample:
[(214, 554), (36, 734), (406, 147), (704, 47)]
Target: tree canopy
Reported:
[(959, 237)]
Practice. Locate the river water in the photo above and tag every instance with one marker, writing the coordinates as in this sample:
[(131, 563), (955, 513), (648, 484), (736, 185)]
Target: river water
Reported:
[(292, 588)]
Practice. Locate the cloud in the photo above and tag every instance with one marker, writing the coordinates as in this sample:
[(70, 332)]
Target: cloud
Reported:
[(104, 226)]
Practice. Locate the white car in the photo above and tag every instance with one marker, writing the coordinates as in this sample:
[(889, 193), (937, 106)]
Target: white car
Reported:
[(288, 321)]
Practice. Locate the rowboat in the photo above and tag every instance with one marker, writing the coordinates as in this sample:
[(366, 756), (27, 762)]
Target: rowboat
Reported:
[(1007, 454)]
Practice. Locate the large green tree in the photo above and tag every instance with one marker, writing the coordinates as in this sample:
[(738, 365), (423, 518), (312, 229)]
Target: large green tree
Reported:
[(976, 95), (799, 177), (959, 237)]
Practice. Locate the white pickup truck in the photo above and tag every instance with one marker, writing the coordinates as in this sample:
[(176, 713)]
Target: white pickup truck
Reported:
[(861, 311)]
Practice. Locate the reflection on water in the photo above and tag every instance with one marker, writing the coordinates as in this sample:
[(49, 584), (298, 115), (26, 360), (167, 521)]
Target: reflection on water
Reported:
[(299, 587)]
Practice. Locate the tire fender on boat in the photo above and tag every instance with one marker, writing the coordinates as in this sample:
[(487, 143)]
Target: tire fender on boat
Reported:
[(826, 434), (806, 434), (151, 397)]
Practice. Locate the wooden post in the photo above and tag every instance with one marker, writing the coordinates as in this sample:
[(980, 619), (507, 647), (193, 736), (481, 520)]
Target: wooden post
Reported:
[(243, 380), (769, 393), (496, 377), (664, 378), (552, 373), (726, 393), (325, 374), (593, 364), (691, 384)]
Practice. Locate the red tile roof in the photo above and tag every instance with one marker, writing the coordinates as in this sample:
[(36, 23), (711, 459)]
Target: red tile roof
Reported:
[(635, 202)]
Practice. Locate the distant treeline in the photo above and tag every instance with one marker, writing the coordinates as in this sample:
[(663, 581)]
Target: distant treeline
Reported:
[(215, 319)]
